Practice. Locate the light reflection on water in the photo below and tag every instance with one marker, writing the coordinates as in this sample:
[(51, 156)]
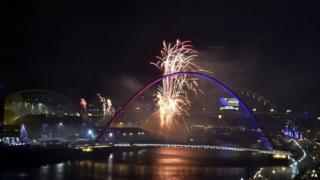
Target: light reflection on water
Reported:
[(162, 163)]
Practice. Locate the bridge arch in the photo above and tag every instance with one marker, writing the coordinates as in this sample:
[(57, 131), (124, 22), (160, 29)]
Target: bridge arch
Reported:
[(197, 75), (257, 101)]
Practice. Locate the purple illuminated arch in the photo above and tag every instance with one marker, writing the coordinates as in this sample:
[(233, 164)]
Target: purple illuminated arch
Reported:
[(195, 74)]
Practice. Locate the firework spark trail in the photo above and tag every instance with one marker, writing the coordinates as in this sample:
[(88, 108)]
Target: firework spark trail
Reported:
[(172, 98), (83, 104), (103, 102), (110, 109), (107, 109)]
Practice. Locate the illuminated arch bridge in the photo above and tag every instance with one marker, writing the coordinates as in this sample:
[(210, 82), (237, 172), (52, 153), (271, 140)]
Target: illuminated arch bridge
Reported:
[(206, 124)]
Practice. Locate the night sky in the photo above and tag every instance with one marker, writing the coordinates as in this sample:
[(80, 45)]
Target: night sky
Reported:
[(81, 48)]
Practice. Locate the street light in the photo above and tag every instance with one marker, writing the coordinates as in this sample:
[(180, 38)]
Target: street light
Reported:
[(110, 135), (89, 132), (59, 129)]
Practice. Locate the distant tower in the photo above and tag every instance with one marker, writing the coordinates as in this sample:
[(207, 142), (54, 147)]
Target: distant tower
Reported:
[(1, 107), (23, 133)]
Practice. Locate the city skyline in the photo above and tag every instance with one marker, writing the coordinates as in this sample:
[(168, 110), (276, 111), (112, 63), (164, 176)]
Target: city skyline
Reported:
[(178, 89)]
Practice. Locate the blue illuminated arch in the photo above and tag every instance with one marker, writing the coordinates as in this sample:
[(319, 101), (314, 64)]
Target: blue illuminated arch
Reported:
[(254, 122)]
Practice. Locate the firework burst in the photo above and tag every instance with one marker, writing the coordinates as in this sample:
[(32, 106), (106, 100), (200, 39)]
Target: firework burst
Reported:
[(83, 104), (107, 109), (172, 97)]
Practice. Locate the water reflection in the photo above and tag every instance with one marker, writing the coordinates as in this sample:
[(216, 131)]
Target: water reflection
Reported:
[(162, 163)]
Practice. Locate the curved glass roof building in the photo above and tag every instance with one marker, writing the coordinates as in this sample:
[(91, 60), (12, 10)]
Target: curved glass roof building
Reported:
[(45, 114)]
